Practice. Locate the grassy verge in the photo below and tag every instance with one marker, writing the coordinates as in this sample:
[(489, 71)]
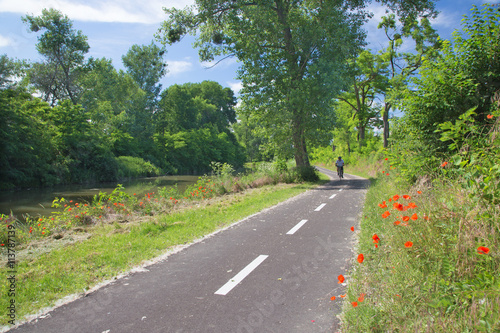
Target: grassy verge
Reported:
[(109, 249), (431, 261)]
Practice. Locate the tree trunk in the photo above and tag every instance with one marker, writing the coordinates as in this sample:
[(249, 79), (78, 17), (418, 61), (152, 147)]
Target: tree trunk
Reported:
[(385, 119)]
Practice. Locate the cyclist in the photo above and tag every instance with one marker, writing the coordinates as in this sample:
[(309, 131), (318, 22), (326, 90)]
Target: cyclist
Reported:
[(340, 166)]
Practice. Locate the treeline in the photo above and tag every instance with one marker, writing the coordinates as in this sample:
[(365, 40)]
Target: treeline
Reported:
[(69, 119)]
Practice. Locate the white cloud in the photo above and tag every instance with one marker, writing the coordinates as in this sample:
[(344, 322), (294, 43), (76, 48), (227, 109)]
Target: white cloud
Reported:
[(175, 67), (127, 11), (235, 86), (5, 41)]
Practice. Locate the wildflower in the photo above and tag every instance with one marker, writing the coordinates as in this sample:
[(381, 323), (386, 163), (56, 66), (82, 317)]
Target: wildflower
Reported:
[(412, 205), (341, 278), (361, 298), (354, 304), (414, 217), (352, 228), (386, 214), (490, 116), (342, 296), (444, 164), (419, 192), (483, 250), (395, 198), (406, 218), (397, 222), (375, 238), (408, 244), (361, 257), (382, 205), (386, 158), (406, 196), (332, 298), (398, 206)]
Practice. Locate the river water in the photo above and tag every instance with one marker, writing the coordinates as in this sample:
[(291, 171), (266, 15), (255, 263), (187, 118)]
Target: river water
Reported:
[(37, 202)]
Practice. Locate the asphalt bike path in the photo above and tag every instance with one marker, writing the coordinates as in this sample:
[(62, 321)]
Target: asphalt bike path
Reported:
[(274, 271)]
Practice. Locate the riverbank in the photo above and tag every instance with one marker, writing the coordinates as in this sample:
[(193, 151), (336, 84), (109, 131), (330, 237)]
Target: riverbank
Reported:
[(102, 251)]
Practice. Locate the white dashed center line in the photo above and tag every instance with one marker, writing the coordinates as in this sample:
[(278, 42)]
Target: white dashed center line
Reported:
[(241, 275), (333, 196), (297, 227), (320, 207)]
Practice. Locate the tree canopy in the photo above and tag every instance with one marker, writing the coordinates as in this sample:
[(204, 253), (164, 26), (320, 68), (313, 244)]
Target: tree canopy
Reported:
[(293, 55)]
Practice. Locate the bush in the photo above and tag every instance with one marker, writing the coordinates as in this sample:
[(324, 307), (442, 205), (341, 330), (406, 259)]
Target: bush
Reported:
[(306, 173), (132, 167)]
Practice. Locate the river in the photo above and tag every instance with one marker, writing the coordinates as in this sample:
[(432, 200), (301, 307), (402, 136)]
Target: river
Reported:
[(37, 202)]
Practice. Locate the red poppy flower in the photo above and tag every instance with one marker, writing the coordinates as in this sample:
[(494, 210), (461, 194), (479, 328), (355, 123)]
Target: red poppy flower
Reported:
[(490, 116), (341, 278), (382, 205), (375, 238), (361, 298), (419, 192), (483, 250), (406, 196), (361, 257), (386, 158), (444, 164), (412, 205), (397, 222), (352, 228), (414, 217), (395, 198), (408, 244), (386, 214), (398, 206), (332, 298), (354, 304), (406, 218), (342, 296)]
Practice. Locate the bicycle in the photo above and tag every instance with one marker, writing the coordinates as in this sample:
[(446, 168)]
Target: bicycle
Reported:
[(340, 172)]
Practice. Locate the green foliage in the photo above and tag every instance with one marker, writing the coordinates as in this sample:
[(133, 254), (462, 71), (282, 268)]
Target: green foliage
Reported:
[(307, 173), (291, 59), (134, 167), (64, 49), (466, 75), (146, 65)]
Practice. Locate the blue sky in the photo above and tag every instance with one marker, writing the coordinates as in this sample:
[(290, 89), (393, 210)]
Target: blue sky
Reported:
[(113, 26)]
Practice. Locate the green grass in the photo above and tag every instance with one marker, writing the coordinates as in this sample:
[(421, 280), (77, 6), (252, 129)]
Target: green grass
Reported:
[(441, 283), (116, 248)]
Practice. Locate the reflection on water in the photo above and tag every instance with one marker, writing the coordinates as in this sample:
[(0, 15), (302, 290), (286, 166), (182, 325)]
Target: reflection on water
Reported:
[(37, 202)]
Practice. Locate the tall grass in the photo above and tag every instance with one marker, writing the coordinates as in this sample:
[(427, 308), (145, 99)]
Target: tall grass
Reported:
[(443, 281)]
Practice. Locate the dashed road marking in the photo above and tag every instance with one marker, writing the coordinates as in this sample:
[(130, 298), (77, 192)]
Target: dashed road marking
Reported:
[(320, 207), (297, 227), (241, 275)]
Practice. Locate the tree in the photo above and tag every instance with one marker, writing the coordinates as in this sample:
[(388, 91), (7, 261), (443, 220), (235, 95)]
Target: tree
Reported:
[(403, 65), (146, 65), (292, 55), (465, 75), (64, 50), (368, 80), (6, 71)]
